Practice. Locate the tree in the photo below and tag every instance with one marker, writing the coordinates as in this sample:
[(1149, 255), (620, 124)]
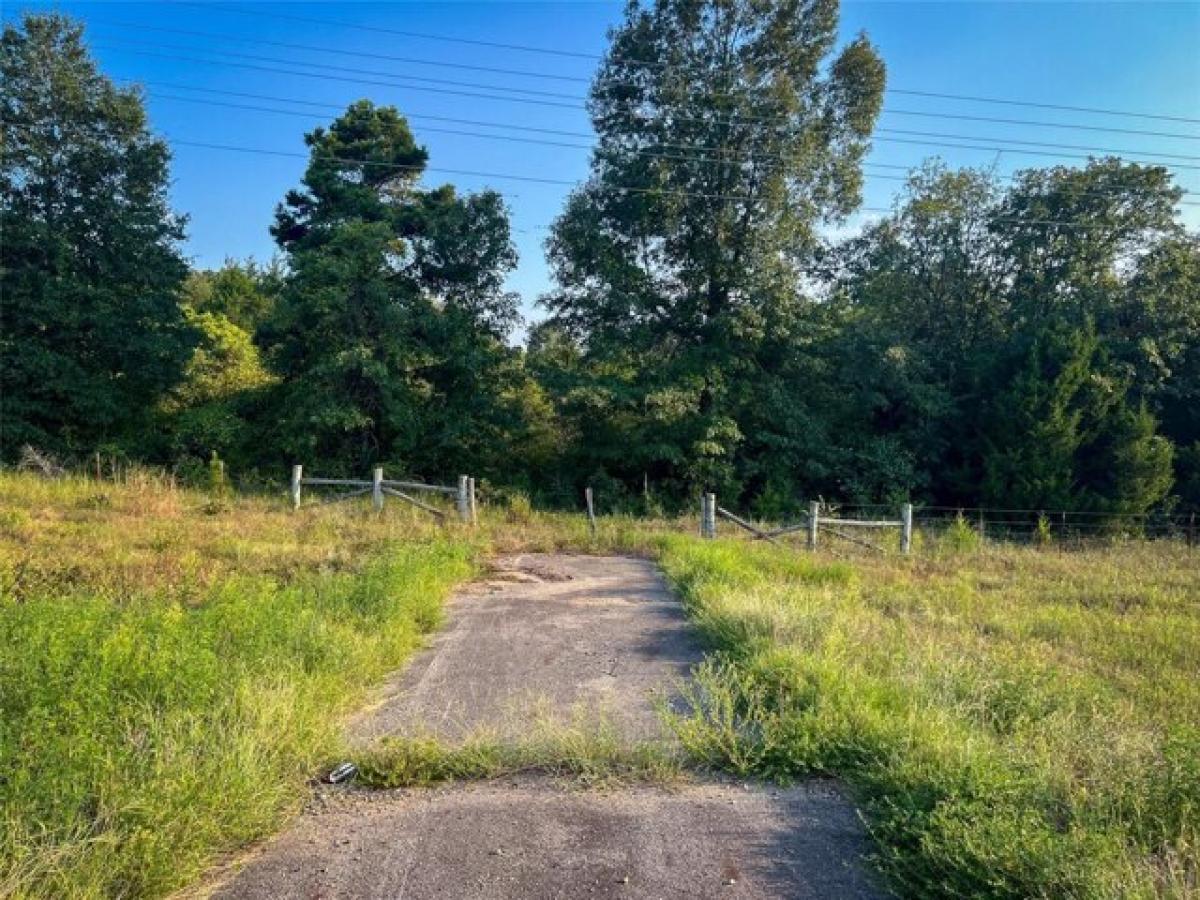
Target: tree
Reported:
[(987, 293), (388, 334), (207, 412), (721, 144), (1154, 328), (89, 266), (243, 293)]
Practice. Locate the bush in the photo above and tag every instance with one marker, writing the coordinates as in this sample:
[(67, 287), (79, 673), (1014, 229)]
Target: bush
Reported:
[(959, 537)]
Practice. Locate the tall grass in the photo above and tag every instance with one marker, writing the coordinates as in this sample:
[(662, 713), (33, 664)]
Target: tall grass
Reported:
[(170, 675), (173, 666), (1015, 723)]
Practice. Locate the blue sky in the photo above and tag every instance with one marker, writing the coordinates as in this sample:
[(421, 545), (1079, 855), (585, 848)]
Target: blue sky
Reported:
[(1122, 56)]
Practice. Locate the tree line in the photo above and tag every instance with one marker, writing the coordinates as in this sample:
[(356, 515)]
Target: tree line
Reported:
[(1029, 342)]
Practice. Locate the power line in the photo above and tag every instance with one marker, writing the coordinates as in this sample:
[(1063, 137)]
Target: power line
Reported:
[(322, 77), (474, 85), (509, 176), (1036, 105), (421, 35), (358, 54), (1030, 122), (976, 137), (991, 146), (510, 138), (527, 73), (525, 48), (454, 120), (579, 101)]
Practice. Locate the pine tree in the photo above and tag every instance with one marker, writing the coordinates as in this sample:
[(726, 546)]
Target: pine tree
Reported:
[(388, 334)]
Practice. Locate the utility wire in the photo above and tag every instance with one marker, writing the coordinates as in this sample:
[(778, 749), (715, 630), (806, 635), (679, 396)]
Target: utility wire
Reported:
[(976, 137), (357, 54), (650, 154), (326, 67), (992, 147), (458, 121), (334, 107), (525, 48), (419, 169), (527, 73), (578, 100), (422, 35)]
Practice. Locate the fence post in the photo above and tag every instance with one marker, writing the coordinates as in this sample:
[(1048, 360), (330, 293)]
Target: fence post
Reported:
[(591, 510), (708, 515), (474, 509), (464, 499), (906, 529), (814, 512), (1191, 532), (297, 478), (377, 488)]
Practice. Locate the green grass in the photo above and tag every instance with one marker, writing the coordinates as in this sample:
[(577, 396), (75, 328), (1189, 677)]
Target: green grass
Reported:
[(174, 667), (1015, 723), (581, 752), (170, 678)]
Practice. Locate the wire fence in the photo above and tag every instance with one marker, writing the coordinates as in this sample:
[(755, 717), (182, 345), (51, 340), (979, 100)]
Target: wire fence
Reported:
[(1072, 526), (934, 523)]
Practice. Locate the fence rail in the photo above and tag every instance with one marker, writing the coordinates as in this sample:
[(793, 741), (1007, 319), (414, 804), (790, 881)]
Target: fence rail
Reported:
[(846, 521), (815, 519), (379, 487)]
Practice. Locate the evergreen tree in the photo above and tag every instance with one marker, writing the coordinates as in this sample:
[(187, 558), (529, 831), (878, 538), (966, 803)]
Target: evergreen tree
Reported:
[(90, 268), (389, 331)]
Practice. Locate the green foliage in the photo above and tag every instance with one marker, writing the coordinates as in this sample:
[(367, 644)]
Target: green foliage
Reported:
[(1043, 534), (244, 294), (209, 410), (591, 753), (1026, 380), (89, 265), (965, 350), (389, 331), (960, 537), (678, 278)]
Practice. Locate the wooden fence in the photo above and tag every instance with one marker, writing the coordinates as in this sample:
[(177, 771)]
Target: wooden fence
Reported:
[(379, 487), (812, 524)]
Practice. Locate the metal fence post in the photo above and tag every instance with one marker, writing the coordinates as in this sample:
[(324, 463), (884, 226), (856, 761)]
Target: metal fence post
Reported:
[(814, 513), (471, 491), (464, 499), (591, 510), (377, 488), (906, 529), (297, 478)]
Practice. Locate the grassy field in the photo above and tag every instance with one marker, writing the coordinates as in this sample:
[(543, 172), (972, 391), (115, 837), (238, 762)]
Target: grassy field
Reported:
[(1015, 723), (174, 665)]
